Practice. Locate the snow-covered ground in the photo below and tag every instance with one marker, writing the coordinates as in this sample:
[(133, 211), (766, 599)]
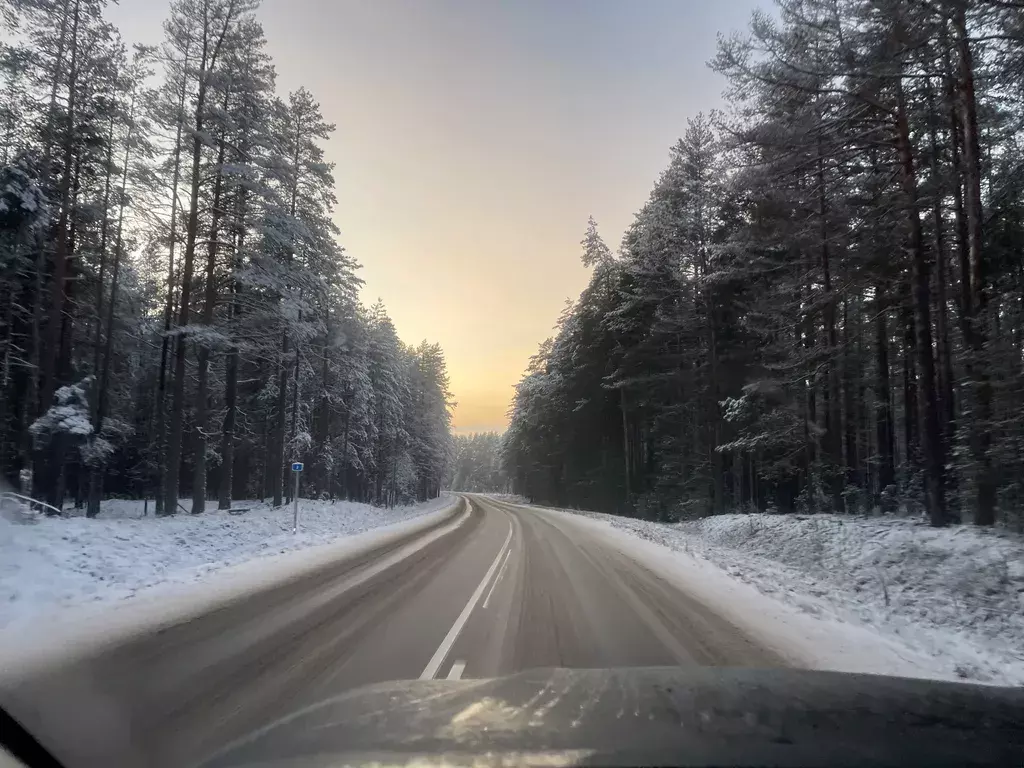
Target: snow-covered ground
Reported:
[(50, 563), (948, 602)]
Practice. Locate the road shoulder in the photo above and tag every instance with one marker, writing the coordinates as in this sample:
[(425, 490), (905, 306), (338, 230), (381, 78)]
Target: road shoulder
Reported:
[(803, 640)]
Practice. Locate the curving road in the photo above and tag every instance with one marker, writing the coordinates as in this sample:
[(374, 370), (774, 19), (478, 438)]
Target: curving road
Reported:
[(492, 589)]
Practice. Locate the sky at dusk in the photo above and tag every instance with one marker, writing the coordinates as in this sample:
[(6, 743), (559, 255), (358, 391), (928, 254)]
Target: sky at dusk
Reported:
[(475, 137)]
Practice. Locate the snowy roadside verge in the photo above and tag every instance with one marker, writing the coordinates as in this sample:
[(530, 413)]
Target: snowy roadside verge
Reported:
[(955, 593), (52, 565), (816, 609)]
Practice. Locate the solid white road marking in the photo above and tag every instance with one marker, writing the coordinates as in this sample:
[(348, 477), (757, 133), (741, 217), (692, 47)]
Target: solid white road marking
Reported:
[(449, 640), (501, 573), (457, 669)]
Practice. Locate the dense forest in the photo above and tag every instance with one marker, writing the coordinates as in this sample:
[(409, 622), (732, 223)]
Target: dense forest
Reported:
[(176, 314), (821, 305), (477, 464)]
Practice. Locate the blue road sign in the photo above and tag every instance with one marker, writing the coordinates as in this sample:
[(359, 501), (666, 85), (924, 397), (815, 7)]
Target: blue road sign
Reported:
[(297, 466)]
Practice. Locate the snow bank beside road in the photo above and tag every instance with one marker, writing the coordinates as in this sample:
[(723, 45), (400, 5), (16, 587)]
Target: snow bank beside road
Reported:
[(954, 595), (56, 562)]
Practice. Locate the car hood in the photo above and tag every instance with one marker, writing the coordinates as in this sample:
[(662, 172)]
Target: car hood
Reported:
[(699, 716)]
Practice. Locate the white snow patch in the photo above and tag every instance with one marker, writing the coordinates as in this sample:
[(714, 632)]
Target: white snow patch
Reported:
[(860, 594), (53, 563)]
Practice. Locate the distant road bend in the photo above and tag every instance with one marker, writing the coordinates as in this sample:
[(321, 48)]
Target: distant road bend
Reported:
[(493, 588)]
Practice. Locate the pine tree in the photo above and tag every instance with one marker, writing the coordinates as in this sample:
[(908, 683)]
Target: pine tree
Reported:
[(805, 309), (176, 303)]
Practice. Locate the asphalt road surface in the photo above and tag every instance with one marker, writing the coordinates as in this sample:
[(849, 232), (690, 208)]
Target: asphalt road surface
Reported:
[(495, 588)]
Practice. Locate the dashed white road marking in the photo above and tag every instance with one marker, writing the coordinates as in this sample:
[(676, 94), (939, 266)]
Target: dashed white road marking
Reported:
[(501, 573), (456, 671), (453, 634)]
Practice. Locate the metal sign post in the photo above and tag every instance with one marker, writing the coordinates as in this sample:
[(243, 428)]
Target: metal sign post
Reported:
[(296, 470)]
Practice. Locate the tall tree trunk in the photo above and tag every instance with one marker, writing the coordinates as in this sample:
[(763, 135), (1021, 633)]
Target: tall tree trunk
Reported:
[(911, 432), (176, 433), (227, 443), (715, 458), (102, 397), (203, 363), (981, 421), (293, 432), (344, 451), (7, 455), (381, 467), (883, 403), (49, 462), (627, 474), (275, 468), (173, 457), (931, 437), (33, 404), (62, 255), (321, 440), (944, 348), (101, 272), (808, 330), (55, 459), (833, 418), (850, 397), (166, 342), (95, 492)]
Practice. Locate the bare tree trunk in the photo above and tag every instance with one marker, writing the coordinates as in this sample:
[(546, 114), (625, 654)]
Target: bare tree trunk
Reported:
[(295, 409), (8, 301), (101, 273), (173, 458), (947, 411), (931, 437), (48, 464), (166, 342), (265, 459), (98, 469), (625, 447), (833, 417), (981, 421), (883, 402), (227, 444), (810, 412), (344, 452), (174, 440), (382, 459), (275, 468), (203, 367), (55, 321), (321, 479), (56, 460), (910, 408), (32, 404), (850, 398)]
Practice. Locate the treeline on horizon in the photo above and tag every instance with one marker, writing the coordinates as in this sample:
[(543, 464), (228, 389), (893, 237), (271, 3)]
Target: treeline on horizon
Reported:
[(821, 305), (477, 464), (176, 314)]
